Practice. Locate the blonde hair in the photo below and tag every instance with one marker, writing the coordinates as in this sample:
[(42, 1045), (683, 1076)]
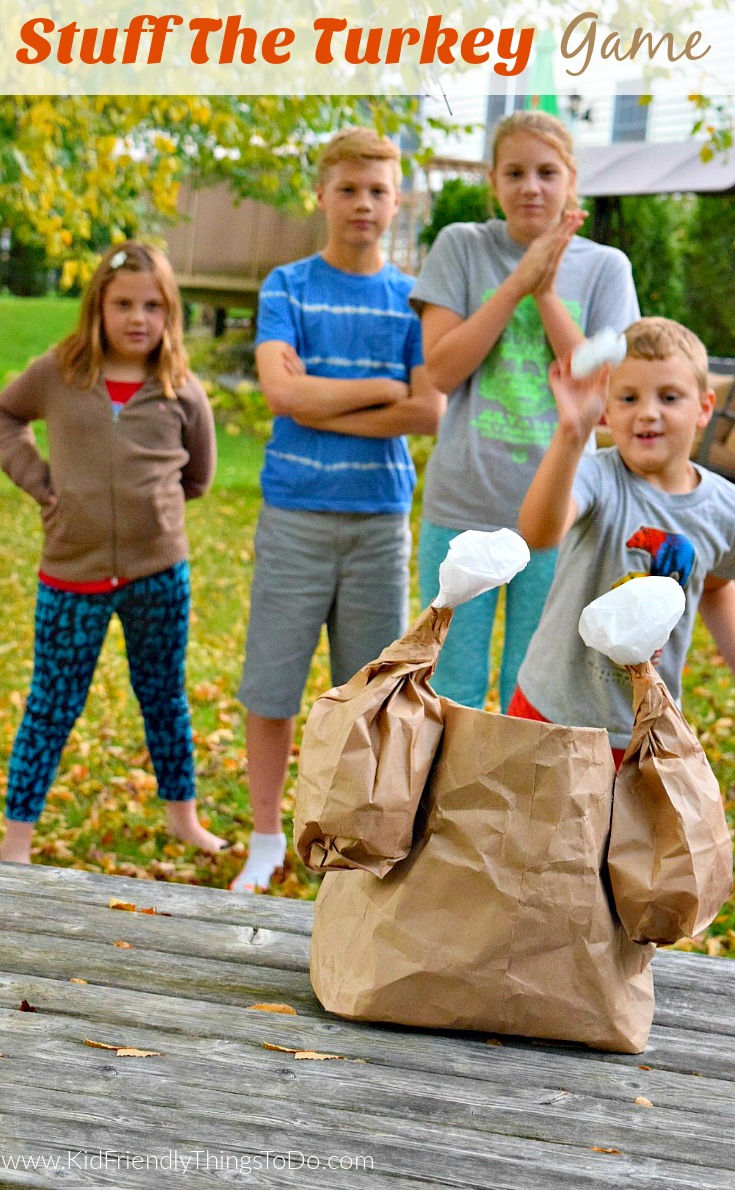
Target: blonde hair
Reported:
[(548, 129), (657, 338), (82, 353), (357, 144)]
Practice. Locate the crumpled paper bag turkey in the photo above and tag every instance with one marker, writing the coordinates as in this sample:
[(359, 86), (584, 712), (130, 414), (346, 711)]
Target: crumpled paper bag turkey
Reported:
[(501, 917), (368, 745), (670, 856)]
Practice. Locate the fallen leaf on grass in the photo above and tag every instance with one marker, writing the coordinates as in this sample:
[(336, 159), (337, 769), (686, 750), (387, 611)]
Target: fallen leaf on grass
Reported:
[(641, 1101), (24, 1006), (123, 1051), (285, 1008), (61, 795)]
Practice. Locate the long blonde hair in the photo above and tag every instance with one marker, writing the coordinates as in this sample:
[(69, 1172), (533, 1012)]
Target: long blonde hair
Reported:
[(82, 353), (548, 129)]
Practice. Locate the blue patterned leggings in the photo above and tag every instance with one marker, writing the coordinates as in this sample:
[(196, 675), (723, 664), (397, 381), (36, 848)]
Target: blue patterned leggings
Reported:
[(69, 633)]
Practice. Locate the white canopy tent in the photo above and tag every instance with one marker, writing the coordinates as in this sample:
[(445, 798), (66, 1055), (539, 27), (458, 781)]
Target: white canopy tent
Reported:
[(643, 167)]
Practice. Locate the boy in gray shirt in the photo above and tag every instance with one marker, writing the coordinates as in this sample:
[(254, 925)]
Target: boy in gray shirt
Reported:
[(638, 507)]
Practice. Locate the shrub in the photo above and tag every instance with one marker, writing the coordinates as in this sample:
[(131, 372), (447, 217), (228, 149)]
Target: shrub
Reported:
[(709, 268), (651, 230), (457, 202)]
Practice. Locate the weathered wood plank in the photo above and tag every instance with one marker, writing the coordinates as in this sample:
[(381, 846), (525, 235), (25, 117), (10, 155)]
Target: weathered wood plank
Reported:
[(57, 1060), (683, 1006), (465, 1055), (184, 900), (128, 1160), (702, 1008), (430, 1108), (685, 969), (185, 976), (170, 935), (513, 1064), (242, 985), (673, 969), (396, 1148), (191, 1077)]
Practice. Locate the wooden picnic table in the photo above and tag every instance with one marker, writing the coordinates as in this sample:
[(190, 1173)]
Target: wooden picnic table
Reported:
[(233, 1094)]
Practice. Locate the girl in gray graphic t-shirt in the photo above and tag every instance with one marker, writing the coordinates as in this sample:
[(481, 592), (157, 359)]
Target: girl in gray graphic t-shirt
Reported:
[(498, 301)]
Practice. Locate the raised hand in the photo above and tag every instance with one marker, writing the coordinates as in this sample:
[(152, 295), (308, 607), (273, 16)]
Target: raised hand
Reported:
[(580, 403)]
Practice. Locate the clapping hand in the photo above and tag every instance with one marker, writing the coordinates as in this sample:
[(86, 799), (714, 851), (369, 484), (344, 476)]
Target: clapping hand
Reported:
[(537, 269)]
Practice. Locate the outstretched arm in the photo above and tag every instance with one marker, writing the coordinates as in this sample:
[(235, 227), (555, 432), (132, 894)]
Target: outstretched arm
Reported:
[(717, 609), (291, 392), (419, 413), (548, 510)]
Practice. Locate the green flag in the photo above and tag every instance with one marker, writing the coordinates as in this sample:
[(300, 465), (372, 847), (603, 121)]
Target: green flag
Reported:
[(541, 93)]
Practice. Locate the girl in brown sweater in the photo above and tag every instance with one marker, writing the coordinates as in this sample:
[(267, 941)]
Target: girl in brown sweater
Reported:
[(131, 437)]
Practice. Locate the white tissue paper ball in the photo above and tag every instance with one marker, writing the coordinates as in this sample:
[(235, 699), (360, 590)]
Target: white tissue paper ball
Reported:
[(606, 347), (629, 623), (477, 562)]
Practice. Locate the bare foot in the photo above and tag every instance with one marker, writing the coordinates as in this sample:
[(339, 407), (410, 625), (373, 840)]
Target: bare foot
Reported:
[(201, 838), (184, 824), (16, 846)]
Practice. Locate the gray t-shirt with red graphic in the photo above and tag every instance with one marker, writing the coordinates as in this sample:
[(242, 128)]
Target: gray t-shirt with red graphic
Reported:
[(625, 528), (500, 421)]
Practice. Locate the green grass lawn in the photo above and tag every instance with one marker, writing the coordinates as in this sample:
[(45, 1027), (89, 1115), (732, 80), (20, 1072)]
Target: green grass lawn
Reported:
[(102, 813), (28, 326)]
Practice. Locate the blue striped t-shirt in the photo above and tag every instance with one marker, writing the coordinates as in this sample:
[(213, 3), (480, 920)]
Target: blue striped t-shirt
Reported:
[(341, 325)]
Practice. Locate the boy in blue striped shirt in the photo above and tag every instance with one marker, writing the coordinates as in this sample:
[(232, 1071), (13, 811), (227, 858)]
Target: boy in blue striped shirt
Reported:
[(340, 364)]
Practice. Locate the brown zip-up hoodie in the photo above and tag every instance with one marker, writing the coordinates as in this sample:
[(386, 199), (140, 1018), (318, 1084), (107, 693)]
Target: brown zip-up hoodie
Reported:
[(120, 482)]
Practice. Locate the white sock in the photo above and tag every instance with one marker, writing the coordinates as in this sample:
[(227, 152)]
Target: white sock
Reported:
[(267, 852)]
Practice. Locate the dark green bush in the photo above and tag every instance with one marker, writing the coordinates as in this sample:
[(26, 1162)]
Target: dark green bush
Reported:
[(652, 231), (709, 272), (458, 202)]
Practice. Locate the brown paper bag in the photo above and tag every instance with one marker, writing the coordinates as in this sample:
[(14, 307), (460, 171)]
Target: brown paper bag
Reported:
[(366, 753), (500, 918), (670, 852)]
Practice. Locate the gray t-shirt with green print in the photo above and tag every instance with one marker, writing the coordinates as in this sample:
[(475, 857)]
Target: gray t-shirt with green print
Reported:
[(501, 419)]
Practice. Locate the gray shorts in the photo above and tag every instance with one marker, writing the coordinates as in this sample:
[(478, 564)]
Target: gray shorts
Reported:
[(346, 570)]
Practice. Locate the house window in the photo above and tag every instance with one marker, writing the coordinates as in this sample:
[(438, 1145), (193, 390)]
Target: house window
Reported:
[(498, 106), (630, 119)]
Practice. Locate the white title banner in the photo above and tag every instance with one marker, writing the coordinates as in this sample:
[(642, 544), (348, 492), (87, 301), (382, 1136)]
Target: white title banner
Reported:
[(358, 47)]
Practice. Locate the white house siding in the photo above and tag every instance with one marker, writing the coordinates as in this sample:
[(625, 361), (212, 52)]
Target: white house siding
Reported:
[(670, 114)]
